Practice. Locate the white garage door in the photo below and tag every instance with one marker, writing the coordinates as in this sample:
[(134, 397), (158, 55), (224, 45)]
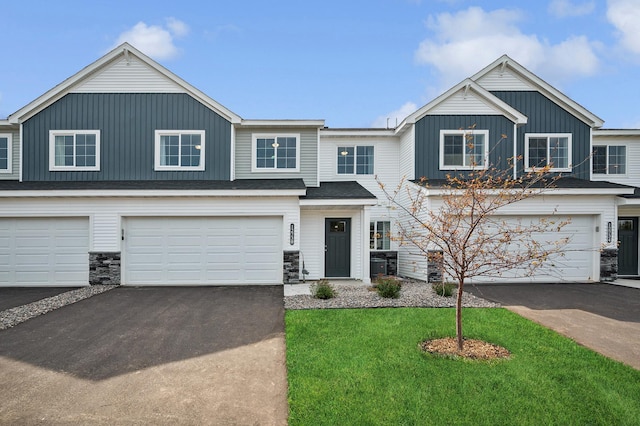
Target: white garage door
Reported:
[(203, 250), (579, 262), (44, 252)]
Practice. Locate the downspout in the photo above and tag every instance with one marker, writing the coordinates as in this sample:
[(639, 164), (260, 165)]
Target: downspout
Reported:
[(515, 151), (20, 154), (232, 165)]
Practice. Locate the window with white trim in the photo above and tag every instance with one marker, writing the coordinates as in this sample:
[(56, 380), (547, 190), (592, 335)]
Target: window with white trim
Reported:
[(463, 149), (553, 150), (355, 160), (75, 150), (5, 153), (380, 235), (179, 149), (609, 160), (275, 153)]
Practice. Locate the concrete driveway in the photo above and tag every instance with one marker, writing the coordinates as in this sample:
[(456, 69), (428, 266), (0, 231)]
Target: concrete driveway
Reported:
[(195, 355), (603, 317)]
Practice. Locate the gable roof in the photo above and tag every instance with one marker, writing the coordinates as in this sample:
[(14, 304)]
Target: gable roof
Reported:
[(506, 64), (125, 50), (469, 90)]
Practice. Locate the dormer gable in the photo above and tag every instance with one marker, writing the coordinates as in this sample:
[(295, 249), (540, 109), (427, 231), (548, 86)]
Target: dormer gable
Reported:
[(123, 70), (465, 98), (505, 74)]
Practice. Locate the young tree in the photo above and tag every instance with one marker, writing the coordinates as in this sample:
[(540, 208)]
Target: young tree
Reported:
[(458, 221)]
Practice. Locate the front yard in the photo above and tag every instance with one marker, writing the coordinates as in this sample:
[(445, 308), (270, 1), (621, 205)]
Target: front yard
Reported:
[(363, 366)]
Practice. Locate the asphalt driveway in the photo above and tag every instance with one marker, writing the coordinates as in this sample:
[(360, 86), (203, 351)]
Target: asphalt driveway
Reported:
[(194, 355), (11, 297), (603, 317)]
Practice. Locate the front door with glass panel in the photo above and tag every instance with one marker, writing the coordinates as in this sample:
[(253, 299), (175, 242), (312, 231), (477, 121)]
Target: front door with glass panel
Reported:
[(628, 248), (337, 249)]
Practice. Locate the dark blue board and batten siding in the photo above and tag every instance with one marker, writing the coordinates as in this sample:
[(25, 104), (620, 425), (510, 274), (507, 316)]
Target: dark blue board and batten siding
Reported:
[(546, 116), (428, 140), (127, 124)]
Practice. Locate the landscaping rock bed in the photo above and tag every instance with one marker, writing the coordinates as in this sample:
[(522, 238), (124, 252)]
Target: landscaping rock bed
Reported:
[(15, 316), (357, 295)]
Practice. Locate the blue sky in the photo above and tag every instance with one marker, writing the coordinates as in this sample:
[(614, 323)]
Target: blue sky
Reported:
[(352, 63)]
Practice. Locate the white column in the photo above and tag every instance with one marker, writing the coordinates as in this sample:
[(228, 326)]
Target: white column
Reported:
[(365, 218)]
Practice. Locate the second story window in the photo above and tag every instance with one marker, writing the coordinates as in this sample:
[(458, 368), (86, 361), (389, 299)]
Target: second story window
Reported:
[(179, 150), (74, 150), (5, 153), (463, 149), (609, 160), (355, 160), (272, 153), (552, 150)]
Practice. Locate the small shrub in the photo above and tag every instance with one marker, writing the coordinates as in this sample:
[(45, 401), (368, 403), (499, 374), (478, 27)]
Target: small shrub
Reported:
[(388, 287), (444, 289), (323, 290)]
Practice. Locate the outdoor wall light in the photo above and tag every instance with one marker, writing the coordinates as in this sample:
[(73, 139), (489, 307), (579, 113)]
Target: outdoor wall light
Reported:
[(292, 234), (609, 232)]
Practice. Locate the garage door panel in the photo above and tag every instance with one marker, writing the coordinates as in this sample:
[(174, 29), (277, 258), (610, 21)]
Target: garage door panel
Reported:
[(204, 250), (44, 251), (576, 263)]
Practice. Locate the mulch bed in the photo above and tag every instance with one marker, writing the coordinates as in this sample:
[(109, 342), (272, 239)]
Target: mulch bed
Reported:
[(472, 349)]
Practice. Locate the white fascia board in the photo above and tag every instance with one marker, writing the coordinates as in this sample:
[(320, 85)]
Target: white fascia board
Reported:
[(124, 49), (616, 132), (91, 193), (550, 191), (281, 123), (545, 88), (629, 201), (346, 202), (507, 110), (356, 133)]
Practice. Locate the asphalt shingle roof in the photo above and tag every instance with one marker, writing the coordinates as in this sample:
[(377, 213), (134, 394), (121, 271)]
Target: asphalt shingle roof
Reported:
[(240, 184), (338, 191)]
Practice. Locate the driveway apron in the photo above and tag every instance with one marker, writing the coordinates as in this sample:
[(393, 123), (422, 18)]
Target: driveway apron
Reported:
[(602, 317), (188, 355)]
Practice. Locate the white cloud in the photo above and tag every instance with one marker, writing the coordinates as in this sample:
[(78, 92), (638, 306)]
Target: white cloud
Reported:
[(625, 15), (564, 8), (154, 40), (177, 27), (394, 117), (468, 40)]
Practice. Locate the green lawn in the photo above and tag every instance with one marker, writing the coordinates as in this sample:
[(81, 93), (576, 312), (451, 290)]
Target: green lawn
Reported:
[(363, 367)]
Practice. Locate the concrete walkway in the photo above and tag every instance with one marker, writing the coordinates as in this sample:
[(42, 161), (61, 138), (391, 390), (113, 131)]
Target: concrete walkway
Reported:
[(602, 317)]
